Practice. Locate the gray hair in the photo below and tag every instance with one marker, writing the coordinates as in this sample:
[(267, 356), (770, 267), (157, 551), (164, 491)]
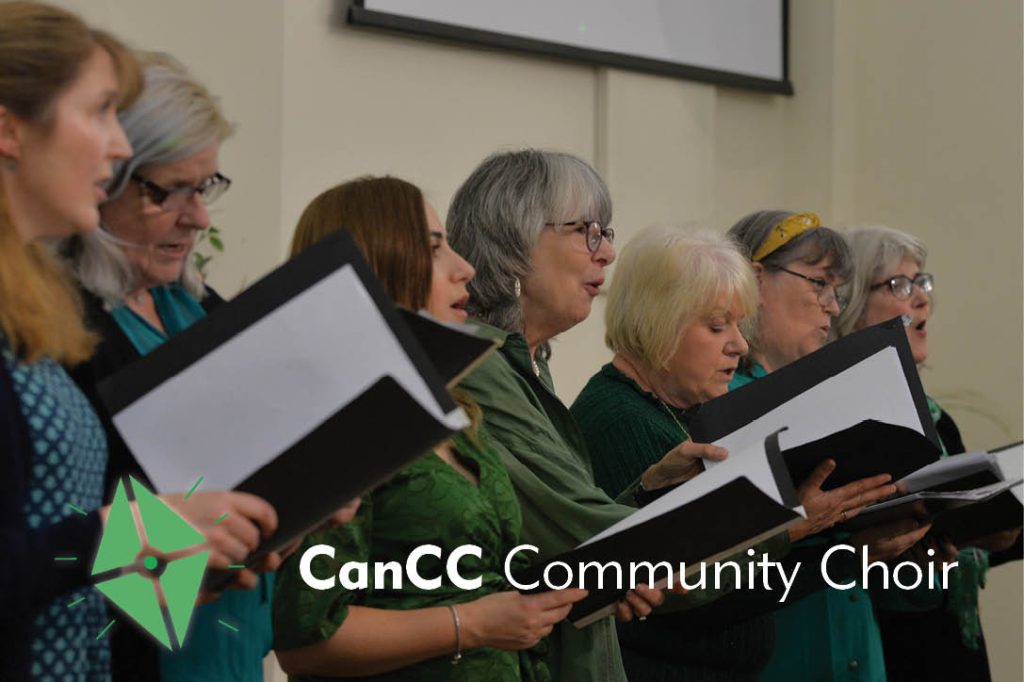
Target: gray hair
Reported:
[(173, 118), (499, 212), (876, 249), (811, 246)]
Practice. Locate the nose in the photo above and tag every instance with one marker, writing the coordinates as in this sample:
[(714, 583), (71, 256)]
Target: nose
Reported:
[(738, 344), (194, 214), (119, 147), (605, 254), (833, 306), (919, 297), (464, 272)]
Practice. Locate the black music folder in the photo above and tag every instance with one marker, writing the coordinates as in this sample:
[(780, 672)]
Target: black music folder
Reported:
[(869, 375), (308, 389), (715, 515), (966, 496)]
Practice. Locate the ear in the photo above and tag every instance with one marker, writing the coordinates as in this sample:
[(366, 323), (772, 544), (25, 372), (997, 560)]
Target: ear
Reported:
[(11, 132), (758, 272)]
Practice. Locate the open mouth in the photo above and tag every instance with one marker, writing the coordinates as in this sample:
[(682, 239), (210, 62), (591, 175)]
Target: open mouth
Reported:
[(593, 288), (175, 250), (920, 325)]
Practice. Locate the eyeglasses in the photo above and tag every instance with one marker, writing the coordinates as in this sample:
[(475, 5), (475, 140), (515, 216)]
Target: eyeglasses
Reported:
[(209, 190), (826, 292), (592, 230), (902, 286)]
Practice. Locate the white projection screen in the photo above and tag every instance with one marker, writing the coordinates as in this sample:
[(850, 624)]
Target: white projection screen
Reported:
[(738, 43)]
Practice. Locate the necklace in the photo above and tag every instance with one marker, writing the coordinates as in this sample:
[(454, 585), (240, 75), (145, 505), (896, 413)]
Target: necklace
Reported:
[(536, 368), (138, 298), (686, 434), (634, 374)]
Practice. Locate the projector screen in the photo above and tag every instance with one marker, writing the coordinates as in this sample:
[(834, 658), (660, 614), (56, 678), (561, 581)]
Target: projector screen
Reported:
[(738, 43)]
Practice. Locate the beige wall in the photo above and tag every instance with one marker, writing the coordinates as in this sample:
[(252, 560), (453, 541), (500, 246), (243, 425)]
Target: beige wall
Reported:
[(907, 113)]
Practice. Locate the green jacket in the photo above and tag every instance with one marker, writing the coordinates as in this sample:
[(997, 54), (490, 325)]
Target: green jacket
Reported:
[(541, 446)]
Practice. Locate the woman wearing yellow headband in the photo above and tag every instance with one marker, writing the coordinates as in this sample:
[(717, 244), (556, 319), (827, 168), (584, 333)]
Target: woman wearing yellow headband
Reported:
[(799, 264)]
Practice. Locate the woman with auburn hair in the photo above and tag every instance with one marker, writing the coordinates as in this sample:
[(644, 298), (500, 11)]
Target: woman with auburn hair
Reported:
[(456, 495), (61, 84)]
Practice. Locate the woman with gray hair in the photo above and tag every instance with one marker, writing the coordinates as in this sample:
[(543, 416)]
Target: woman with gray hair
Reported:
[(140, 286), (888, 281), (800, 265), (534, 224)]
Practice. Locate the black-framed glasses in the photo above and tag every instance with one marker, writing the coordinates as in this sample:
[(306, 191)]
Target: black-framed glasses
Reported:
[(826, 292), (172, 199), (902, 286), (592, 230)]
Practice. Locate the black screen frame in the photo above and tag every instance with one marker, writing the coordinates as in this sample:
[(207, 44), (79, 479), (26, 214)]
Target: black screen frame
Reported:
[(356, 14)]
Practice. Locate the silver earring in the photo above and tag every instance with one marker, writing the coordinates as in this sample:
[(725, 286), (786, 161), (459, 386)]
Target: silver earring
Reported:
[(517, 287)]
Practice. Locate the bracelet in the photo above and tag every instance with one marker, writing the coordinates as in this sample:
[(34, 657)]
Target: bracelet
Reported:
[(458, 635)]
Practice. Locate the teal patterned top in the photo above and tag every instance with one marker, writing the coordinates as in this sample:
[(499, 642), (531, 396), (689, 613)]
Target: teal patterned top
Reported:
[(70, 459), (427, 502)]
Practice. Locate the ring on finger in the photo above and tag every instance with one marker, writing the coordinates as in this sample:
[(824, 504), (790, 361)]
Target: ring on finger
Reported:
[(842, 516)]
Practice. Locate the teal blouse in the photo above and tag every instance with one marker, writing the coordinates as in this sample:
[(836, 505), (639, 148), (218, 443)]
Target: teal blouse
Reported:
[(827, 635), (211, 651)]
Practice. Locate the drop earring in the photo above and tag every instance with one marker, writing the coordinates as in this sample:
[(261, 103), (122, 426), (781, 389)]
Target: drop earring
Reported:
[(517, 287)]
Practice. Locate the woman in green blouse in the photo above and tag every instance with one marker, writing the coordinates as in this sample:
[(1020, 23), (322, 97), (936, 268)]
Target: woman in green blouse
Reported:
[(459, 494), (926, 634), (674, 320), (799, 264), (535, 226)]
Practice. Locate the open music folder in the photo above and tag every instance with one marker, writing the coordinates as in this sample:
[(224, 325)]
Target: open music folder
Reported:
[(715, 515), (868, 375), (966, 496), (308, 389)]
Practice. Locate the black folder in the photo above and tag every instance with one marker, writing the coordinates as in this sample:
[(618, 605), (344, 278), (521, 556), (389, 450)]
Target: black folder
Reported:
[(862, 450), (727, 414), (721, 523), (355, 445)]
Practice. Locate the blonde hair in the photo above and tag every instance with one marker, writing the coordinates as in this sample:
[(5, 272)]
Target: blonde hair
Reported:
[(666, 279), (875, 250), (42, 50)]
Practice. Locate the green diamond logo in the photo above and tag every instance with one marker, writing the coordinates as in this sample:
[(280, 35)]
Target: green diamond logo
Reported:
[(150, 563)]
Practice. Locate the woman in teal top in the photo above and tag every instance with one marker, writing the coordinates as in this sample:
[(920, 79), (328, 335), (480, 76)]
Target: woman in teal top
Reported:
[(457, 495), (141, 286), (829, 634), (928, 633)]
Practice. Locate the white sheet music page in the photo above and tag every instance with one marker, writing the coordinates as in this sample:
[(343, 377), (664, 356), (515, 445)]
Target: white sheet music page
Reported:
[(874, 388), (256, 395)]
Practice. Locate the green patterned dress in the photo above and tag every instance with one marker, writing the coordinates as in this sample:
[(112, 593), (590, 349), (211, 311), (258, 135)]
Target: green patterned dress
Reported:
[(428, 502)]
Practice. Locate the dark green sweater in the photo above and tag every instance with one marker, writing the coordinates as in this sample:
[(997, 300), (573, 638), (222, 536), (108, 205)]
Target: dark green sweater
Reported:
[(628, 430)]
